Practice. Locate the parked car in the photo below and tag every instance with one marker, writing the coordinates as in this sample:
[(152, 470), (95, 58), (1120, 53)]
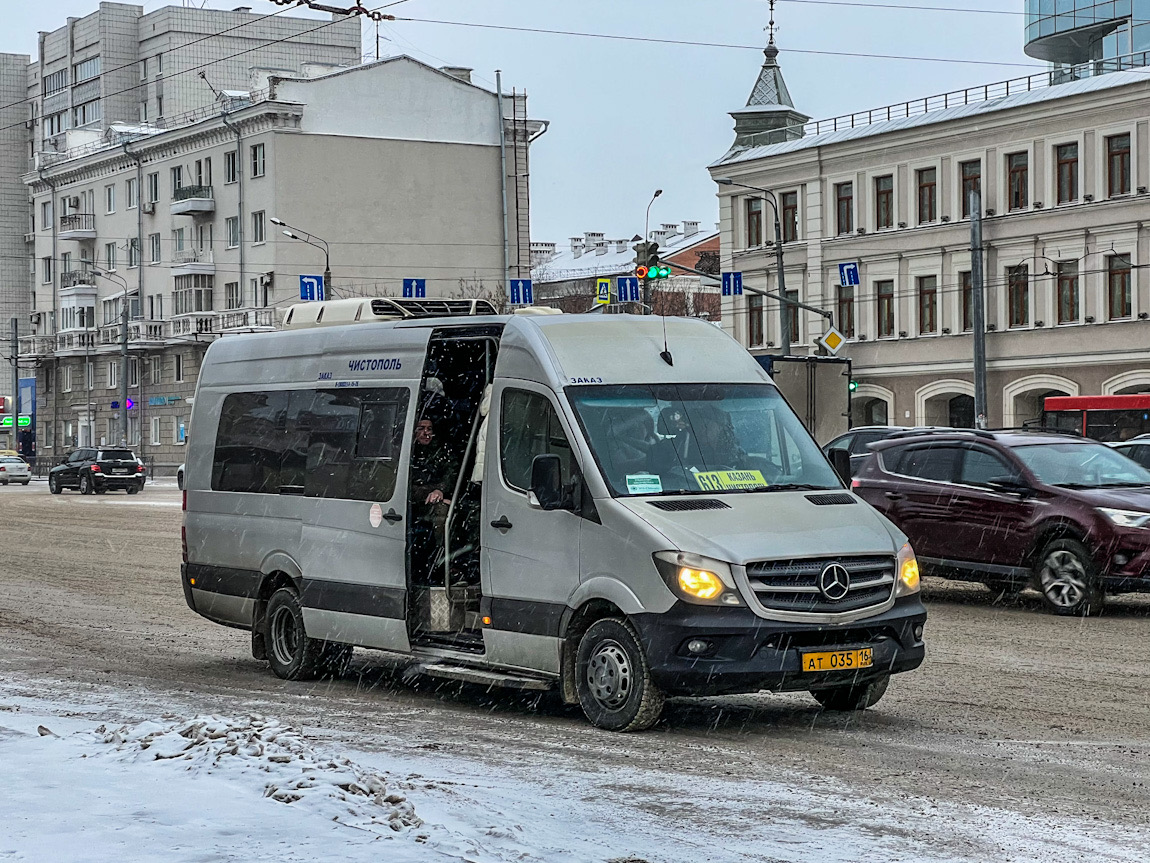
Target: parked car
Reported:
[(857, 441), (1137, 448), (91, 469), (1068, 516), (14, 469)]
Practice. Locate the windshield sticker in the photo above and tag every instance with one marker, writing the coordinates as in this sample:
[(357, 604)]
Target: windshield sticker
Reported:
[(730, 480), (644, 483)]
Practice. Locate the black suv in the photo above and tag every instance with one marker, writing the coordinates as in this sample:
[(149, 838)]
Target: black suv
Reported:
[(1068, 515), (96, 470)]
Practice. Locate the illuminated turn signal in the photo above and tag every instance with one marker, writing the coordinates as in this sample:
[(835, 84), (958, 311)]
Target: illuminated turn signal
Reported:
[(700, 583)]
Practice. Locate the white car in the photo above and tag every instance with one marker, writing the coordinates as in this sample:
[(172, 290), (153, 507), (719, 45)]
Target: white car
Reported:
[(14, 469)]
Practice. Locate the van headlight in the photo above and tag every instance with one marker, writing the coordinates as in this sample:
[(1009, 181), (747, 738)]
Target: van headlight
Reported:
[(908, 575), (1126, 517), (697, 579)]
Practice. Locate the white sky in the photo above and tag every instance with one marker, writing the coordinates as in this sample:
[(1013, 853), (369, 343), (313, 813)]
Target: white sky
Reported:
[(627, 118)]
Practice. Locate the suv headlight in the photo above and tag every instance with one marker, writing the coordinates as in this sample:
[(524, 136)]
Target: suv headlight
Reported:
[(697, 579), (908, 575), (1126, 517)]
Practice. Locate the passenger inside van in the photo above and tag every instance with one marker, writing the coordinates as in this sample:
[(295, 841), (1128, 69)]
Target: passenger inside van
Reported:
[(432, 481)]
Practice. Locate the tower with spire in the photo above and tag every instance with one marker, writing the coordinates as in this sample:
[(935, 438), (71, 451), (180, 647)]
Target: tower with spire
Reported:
[(769, 116)]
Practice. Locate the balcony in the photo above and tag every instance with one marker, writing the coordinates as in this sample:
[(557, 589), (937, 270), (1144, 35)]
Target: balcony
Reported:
[(78, 279), (141, 334), (247, 320), (188, 261), (195, 324), (78, 226), (37, 346), (75, 341), (193, 201)]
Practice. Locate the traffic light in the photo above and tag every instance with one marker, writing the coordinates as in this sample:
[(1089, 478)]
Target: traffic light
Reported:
[(647, 262), (853, 385)]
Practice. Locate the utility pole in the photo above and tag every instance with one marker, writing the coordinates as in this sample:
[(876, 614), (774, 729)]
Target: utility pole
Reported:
[(124, 371), (978, 310), (784, 309), (16, 386)]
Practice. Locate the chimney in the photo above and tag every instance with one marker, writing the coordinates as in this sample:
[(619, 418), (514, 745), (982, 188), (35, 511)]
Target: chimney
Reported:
[(690, 229), (542, 253), (577, 246), (596, 243), (461, 72), (621, 245), (661, 237), (671, 228)]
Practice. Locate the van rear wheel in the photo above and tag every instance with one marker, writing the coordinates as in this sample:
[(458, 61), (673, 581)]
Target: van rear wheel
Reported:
[(851, 698), (291, 654), (613, 678)]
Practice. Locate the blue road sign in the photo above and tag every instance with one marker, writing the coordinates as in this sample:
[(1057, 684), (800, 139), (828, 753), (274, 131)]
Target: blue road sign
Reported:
[(415, 289), (628, 289), (311, 288), (732, 284), (522, 292), (849, 274)]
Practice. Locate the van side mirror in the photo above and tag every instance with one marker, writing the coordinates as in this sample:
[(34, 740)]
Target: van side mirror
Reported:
[(841, 462), (547, 482)]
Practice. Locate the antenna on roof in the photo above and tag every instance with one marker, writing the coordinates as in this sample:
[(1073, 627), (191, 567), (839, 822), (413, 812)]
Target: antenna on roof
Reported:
[(204, 75)]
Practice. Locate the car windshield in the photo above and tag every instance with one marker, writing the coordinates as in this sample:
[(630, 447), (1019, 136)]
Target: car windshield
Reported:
[(8, 459), (1082, 465), (698, 439), (118, 455)]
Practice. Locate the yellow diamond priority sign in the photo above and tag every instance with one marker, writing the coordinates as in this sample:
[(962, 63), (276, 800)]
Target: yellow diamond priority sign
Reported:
[(833, 340)]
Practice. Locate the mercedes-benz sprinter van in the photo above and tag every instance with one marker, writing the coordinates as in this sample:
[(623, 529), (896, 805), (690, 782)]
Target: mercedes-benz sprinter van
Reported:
[(619, 507)]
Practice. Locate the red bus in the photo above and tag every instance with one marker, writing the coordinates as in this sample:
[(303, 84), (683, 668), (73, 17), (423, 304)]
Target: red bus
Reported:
[(1104, 418)]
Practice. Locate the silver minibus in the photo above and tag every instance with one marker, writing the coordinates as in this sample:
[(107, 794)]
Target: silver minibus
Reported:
[(620, 508)]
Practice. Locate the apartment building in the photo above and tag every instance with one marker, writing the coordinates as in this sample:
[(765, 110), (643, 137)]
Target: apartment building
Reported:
[(393, 166), (1062, 170)]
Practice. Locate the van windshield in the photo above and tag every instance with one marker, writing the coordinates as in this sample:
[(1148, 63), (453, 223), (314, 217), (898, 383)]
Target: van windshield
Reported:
[(698, 439)]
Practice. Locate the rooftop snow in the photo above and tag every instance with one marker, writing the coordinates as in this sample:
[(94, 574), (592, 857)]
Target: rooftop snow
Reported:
[(566, 267)]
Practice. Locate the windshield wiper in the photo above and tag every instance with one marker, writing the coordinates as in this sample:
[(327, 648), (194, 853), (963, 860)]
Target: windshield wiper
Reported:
[(797, 486)]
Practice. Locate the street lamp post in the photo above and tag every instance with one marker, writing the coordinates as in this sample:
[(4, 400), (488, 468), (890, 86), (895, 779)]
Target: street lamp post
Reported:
[(123, 353), (646, 239), (784, 305), (311, 240)]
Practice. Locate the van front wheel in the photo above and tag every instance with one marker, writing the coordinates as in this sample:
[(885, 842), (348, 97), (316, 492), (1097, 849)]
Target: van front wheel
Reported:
[(613, 678), (291, 654), (850, 698)]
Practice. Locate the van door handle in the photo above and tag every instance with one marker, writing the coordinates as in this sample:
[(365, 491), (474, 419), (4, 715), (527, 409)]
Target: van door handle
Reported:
[(392, 516), (890, 495), (502, 524)]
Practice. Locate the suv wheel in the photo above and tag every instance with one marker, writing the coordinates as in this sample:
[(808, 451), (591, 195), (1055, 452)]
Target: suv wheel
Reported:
[(851, 698), (54, 484), (613, 679), (1068, 580), (291, 654), (86, 486), (135, 489)]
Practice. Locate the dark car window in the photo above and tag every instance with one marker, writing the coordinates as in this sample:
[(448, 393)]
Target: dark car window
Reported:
[(843, 442), (939, 463), (863, 439), (118, 455), (1138, 452), (980, 466)]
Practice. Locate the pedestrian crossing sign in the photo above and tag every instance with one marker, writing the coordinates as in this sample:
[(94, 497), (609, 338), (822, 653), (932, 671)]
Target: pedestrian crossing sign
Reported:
[(603, 295), (833, 340)]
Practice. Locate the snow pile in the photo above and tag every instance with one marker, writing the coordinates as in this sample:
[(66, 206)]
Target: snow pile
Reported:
[(289, 768)]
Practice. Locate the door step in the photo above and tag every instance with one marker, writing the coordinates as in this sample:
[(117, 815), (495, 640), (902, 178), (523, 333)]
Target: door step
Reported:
[(485, 678)]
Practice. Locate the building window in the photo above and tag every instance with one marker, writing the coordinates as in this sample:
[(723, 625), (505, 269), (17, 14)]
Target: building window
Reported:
[(258, 227), (231, 166), (46, 215), (109, 199), (1118, 165), (232, 229), (927, 304), (179, 364), (258, 164), (846, 310), (46, 270), (153, 181), (885, 292), (884, 202), (927, 195), (790, 216), (133, 251), (86, 70), (971, 173), (792, 315), (159, 107), (754, 321), (1068, 292), (156, 439), (966, 288), (144, 69), (159, 64), (155, 254), (113, 374), (233, 296), (1066, 157), (67, 379), (109, 256), (134, 372), (1118, 282), (90, 376), (754, 222), (193, 293), (157, 370), (203, 172), (57, 82), (56, 123), (133, 193), (177, 178), (88, 112), (156, 309), (181, 430), (1018, 180), (844, 208)]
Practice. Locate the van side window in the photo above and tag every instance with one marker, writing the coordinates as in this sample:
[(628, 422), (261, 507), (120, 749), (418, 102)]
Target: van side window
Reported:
[(529, 426), (331, 443), (383, 414), (250, 442)]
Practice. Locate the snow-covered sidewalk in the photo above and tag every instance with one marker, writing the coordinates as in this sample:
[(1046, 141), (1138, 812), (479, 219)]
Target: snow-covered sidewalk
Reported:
[(174, 788)]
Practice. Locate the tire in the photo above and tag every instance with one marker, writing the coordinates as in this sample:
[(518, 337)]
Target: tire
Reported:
[(54, 484), (613, 678), (1068, 579), (851, 698), (135, 489), (291, 654), (100, 490), (4, 482), (86, 485), (26, 482)]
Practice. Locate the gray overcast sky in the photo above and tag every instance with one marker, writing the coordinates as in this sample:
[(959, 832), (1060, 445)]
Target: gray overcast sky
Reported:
[(627, 118)]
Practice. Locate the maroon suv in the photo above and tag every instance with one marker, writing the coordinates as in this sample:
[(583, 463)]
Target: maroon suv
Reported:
[(1068, 515)]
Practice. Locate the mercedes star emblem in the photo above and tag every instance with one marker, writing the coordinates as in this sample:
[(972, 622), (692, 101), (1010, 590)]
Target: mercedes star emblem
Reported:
[(835, 582)]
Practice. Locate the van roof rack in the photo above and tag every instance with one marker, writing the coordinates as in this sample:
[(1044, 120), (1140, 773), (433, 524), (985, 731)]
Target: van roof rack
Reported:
[(430, 308), (330, 313)]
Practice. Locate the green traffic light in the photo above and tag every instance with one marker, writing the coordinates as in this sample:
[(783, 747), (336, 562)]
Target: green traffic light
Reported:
[(664, 272), (853, 385)]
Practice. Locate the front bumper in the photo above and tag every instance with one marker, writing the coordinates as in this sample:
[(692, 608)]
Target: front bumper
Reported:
[(751, 654)]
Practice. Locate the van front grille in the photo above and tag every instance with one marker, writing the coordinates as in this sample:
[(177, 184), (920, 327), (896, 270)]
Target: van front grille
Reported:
[(794, 585)]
